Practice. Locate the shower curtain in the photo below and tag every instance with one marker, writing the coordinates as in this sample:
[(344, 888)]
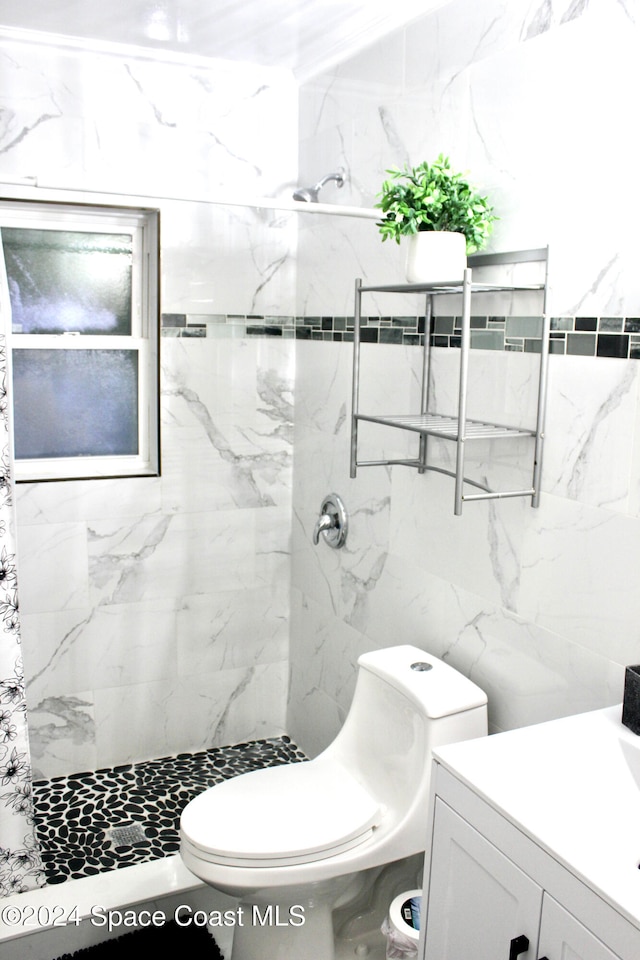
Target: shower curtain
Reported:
[(20, 862)]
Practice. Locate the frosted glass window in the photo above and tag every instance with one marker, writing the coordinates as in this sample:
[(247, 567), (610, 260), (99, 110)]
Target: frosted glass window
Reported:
[(79, 299), (75, 403), (65, 282)]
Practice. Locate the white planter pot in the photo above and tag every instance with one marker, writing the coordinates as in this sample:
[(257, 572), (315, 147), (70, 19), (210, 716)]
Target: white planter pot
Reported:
[(435, 256)]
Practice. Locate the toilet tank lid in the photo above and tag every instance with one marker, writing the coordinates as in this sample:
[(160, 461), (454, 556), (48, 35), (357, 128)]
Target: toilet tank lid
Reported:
[(437, 689)]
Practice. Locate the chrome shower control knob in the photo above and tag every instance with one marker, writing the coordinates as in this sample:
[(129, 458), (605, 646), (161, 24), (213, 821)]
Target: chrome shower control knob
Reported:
[(332, 522)]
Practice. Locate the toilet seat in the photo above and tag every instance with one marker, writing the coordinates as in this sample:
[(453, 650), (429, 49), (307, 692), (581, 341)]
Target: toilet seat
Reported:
[(295, 813)]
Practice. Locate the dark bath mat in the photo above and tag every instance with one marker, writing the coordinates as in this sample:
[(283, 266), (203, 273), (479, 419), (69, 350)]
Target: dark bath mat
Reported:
[(193, 942)]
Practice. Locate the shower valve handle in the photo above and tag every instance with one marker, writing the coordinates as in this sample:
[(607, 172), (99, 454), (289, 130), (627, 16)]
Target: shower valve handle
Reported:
[(325, 522), (332, 522)]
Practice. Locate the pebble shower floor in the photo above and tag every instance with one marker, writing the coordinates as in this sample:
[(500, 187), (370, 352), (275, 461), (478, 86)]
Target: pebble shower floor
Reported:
[(89, 823)]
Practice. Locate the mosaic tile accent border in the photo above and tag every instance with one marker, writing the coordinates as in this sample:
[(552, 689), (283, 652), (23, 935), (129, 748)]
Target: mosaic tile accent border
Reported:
[(571, 336), (236, 325), (84, 821)]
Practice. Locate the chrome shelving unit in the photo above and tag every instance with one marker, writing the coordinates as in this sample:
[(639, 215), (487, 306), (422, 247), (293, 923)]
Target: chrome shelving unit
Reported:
[(458, 428)]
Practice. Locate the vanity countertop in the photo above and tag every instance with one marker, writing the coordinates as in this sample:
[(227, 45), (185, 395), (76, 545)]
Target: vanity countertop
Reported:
[(573, 786)]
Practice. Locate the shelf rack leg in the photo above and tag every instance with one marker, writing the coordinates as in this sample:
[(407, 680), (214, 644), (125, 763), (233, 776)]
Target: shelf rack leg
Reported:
[(426, 367), (355, 382), (462, 395), (540, 424), (542, 406)]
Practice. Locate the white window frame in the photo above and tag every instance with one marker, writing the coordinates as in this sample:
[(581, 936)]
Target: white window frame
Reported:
[(143, 225)]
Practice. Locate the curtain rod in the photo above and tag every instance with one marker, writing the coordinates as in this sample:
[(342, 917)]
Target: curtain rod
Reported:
[(34, 188)]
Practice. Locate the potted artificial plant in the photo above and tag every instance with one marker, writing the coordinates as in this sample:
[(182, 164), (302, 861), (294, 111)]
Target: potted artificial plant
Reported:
[(443, 216)]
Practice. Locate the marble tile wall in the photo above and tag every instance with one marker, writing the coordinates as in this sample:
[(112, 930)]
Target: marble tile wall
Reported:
[(155, 611), (529, 97), (538, 606)]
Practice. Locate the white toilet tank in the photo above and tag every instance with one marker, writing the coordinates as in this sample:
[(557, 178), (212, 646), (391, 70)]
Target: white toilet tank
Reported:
[(406, 702)]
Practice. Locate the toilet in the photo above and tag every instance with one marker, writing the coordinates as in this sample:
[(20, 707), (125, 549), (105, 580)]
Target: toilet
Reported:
[(294, 842)]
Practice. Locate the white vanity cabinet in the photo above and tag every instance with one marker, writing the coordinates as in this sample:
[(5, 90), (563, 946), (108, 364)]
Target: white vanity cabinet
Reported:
[(483, 906), (562, 936), (498, 885), (479, 900)]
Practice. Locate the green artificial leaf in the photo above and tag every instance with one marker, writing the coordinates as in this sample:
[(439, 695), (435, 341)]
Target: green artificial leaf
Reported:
[(431, 196)]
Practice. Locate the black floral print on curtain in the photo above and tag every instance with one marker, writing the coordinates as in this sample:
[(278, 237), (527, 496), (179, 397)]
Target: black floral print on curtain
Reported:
[(20, 863)]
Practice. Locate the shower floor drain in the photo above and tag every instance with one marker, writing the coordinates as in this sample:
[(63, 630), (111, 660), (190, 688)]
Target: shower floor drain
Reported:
[(126, 835)]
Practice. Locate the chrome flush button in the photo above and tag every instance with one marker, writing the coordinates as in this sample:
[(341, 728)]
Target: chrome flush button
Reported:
[(421, 666)]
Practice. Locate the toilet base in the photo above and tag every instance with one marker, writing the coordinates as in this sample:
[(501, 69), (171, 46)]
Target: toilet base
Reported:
[(368, 946), (358, 925), (338, 919), (292, 924)]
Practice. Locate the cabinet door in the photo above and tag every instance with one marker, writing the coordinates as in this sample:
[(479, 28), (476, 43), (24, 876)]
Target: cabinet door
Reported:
[(562, 937), (479, 901)]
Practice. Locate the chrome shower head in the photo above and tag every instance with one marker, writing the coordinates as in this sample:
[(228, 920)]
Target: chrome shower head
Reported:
[(310, 194), (306, 194)]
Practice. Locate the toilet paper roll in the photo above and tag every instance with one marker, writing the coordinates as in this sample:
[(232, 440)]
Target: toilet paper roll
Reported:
[(404, 914)]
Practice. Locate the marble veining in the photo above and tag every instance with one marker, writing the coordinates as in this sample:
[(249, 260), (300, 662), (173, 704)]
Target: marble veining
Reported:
[(392, 136), (245, 488), (116, 567), (157, 112), (268, 272), (590, 429), (504, 556), (582, 446), (357, 584), (540, 21), (56, 719), (63, 648)]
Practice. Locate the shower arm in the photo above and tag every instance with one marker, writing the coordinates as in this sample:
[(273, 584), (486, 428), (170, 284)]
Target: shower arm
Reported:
[(338, 177), (310, 194)]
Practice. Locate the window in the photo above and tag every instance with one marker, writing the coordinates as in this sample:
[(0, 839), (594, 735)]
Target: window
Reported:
[(81, 287)]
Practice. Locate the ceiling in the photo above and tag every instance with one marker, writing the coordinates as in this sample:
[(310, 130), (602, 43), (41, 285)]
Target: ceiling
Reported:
[(304, 36)]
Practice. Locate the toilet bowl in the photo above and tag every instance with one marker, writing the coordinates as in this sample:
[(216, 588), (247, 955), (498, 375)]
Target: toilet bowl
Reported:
[(291, 841)]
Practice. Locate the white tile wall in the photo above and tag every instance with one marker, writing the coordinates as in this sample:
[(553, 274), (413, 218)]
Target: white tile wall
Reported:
[(122, 660), (538, 606), (159, 620)]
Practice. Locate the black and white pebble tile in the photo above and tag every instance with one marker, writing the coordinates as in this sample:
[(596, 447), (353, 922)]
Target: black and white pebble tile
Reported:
[(88, 823)]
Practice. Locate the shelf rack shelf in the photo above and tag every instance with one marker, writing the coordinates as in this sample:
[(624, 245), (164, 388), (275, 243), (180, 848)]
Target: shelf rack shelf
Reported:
[(458, 428)]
